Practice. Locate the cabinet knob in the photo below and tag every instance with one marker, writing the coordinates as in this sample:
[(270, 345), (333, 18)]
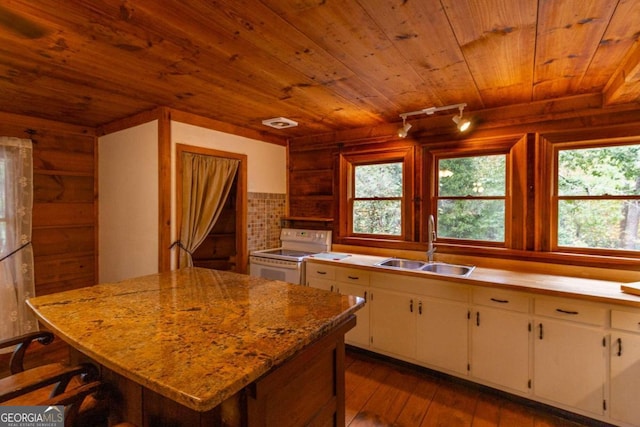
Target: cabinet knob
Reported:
[(411, 305)]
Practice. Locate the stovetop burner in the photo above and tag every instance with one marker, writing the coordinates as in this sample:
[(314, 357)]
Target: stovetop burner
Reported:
[(286, 253), (297, 244), (283, 254)]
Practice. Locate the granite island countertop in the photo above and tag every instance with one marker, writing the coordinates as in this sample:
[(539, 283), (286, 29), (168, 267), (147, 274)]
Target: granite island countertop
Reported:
[(196, 336)]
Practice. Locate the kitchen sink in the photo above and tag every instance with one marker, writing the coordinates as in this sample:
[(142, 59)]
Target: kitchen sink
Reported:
[(448, 269), (428, 267), (406, 264)]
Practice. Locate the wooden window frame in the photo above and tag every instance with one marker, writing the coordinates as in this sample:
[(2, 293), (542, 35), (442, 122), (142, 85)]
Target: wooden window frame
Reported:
[(518, 197), (348, 162), (549, 153), (4, 245)]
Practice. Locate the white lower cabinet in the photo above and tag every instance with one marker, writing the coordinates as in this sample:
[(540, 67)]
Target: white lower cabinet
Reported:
[(625, 366), (359, 335), (560, 351), (442, 335), (500, 338), (320, 276), (327, 285), (393, 322), (500, 348), (351, 281), (570, 354), (422, 320), (346, 281)]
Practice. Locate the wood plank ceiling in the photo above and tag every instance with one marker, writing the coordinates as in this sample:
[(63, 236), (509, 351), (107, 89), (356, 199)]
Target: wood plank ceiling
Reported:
[(328, 64)]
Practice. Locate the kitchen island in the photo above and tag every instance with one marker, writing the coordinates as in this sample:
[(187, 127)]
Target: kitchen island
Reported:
[(203, 347)]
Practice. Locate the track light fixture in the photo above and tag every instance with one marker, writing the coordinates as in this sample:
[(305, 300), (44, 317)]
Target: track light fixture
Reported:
[(462, 124), (404, 130)]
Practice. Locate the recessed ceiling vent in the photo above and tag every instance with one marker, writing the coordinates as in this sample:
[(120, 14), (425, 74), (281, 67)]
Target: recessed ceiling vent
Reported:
[(280, 123)]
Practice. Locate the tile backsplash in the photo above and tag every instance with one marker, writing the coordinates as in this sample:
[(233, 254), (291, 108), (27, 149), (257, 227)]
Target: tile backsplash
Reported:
[(264, 212)]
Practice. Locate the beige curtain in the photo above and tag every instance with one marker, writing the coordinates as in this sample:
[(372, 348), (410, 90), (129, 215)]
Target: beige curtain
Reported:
[(16, 254), (206, 182)]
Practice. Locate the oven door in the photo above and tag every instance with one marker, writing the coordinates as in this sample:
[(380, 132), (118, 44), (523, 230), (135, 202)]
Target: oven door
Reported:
[(276, 269)]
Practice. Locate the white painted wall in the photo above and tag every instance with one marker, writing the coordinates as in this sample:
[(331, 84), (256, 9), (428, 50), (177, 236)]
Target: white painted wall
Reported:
[(266, 163), (128, 201), (128, 189)]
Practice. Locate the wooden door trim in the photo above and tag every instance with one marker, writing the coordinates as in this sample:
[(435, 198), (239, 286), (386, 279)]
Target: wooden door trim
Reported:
[(241, 199), (164, 190)]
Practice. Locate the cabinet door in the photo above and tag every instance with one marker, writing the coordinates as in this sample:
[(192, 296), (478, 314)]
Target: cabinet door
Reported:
[(500, 347), (625, 377), (358, 336), (569, 364), (327, 285), (442, 335), (393, 322)]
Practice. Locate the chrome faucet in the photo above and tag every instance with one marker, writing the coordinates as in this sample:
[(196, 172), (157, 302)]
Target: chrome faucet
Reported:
[(431, 236)]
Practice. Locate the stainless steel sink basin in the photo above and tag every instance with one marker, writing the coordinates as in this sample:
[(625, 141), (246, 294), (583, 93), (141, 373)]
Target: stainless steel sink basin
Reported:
[(428, 267), (406, 264), (448, 269)]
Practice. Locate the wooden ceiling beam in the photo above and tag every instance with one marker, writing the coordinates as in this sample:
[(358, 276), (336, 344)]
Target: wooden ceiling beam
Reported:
[(624, 87), (569, 112)]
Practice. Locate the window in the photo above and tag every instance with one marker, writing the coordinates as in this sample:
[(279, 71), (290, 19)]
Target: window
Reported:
[(377, 201), (4, 245), (471, 198), (378, 195), (597, 201)]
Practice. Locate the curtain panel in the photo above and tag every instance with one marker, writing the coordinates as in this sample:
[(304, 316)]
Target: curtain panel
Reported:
[(206, 183), (16, 253)]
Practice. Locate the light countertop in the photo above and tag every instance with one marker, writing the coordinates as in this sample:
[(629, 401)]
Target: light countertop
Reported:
[(196, 336), (538, 283)]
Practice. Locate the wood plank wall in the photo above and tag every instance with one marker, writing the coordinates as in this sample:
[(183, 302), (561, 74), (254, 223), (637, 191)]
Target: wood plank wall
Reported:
[(65, 202), (313, 186), (313, 161)]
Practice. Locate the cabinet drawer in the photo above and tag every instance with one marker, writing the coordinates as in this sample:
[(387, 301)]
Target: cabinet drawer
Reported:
[(321, 271), (498, 298), (421, 286), (562, 308), (352, 275), (625, 320)]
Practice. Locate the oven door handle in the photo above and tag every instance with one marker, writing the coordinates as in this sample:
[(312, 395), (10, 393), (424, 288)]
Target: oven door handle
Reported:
[(291, 265)]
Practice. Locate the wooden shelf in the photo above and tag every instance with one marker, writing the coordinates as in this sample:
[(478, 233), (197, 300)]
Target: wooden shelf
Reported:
[(306, 218), (289, 221)]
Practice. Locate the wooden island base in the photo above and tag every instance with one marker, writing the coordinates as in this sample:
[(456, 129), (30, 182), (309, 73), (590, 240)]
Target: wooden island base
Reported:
[(306, 390)]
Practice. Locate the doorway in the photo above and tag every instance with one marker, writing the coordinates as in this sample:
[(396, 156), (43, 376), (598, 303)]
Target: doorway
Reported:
[(225, 246)]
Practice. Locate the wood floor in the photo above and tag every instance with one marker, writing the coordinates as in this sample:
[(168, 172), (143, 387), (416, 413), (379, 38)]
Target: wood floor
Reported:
[(380, 394), (383, 394)]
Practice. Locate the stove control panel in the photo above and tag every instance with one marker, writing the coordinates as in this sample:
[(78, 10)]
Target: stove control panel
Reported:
[(322, 237)]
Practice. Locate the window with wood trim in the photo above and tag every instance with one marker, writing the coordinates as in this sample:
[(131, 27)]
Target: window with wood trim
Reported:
[(595, 197), (3, 206), (378, 194), (479, 194), (471, 198)]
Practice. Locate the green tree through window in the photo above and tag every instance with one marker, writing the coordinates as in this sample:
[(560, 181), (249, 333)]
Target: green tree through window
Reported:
[(377, 202), (471, 198), (599, 197)]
